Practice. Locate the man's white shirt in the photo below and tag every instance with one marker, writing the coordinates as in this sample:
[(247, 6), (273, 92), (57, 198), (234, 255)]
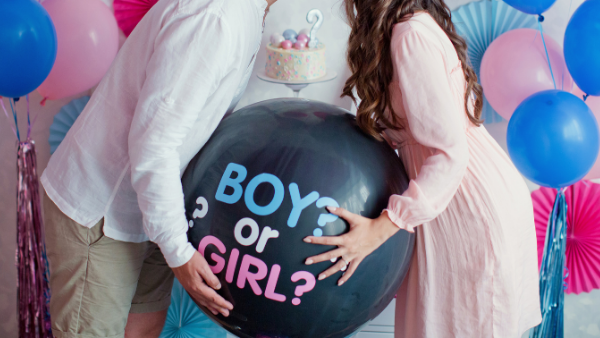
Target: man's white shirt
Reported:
[(181, 70)]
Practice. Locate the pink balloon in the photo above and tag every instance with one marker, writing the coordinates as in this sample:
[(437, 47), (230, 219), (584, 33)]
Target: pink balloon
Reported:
[(515, 67), (88, 40), (594, 103)]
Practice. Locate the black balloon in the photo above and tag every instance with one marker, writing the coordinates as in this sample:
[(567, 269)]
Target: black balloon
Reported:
[(261, 162)]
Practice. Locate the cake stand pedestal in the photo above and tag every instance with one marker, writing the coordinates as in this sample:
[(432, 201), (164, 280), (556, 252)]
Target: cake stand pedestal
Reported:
[(297, 86)]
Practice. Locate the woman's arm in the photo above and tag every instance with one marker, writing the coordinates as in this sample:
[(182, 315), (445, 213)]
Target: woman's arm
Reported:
[(436, 121)]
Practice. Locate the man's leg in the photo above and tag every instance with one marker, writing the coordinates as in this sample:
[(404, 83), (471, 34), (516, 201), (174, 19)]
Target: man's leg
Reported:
[(145, 325), (152, 297), (93, 278)]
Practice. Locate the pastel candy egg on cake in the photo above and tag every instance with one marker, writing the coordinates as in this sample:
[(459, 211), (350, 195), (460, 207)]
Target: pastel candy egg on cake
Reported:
[(300, 44), (277, 39), (303, 37), (291, 35), (287, 44)]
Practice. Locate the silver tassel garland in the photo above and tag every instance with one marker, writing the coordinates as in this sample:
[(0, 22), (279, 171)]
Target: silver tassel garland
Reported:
[(32, 282)]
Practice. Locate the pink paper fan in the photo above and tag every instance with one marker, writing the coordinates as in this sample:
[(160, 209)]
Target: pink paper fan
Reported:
[(129, 12), (583, 232)]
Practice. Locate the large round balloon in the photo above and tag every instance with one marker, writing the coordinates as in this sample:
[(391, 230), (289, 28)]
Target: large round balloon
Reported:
[(582, 47), (593, 102), (88, 40), (553, 138), (531, 6), (260, 185), (28, 41), (515, 66)]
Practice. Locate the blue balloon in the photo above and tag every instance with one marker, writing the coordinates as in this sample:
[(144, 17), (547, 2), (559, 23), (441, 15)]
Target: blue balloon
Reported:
[(553, 138), (28, 41), (582, 47), (531, 6), (291, 35)]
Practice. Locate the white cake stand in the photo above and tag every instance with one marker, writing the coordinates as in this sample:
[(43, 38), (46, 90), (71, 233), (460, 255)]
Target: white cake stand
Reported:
[(297, 86)]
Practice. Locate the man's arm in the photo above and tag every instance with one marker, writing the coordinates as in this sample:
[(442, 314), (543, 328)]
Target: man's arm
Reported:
[(191, 57)]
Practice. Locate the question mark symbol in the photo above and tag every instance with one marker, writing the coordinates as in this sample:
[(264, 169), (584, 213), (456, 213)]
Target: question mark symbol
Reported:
[(199, 213), (314, 16), (302, 289), (325, 218)]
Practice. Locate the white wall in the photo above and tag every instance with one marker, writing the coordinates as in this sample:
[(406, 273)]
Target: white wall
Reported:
[(581, 312)]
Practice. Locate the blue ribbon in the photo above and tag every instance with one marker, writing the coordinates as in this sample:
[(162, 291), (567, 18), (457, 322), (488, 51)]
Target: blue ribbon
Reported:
[(540, 20), (12, 104)]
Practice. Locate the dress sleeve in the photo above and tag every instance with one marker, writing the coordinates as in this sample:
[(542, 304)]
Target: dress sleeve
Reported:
[(190, 59), (436, 122)]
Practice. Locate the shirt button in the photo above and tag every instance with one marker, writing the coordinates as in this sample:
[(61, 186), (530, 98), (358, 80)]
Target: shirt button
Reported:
[(169, 100)]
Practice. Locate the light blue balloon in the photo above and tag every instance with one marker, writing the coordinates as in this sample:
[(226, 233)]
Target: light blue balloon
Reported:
[(291, 35), (582, 47), (531, 6), (553, 138), (186, 320), (28, 42)]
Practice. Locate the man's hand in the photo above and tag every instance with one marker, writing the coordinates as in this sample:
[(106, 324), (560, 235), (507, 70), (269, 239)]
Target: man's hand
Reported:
[(198, 280)]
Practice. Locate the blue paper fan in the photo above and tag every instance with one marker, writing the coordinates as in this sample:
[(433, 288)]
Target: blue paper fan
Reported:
[(186, 320), (480, 23), (64, 120)]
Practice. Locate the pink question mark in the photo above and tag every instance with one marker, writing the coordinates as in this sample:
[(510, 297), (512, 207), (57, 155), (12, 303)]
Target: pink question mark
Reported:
[(301, 289)]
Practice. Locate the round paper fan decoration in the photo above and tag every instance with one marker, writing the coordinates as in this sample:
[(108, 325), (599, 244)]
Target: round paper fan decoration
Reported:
[(129, 12), (64, 120), (583, 232), (480, 23), (186, 320)]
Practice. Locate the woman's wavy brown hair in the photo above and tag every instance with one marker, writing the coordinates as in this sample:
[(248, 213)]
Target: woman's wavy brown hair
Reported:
[(370, 58)]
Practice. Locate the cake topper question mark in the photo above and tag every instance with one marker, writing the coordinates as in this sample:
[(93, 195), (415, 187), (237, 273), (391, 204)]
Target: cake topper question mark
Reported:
[(301, 289), (315, 17)]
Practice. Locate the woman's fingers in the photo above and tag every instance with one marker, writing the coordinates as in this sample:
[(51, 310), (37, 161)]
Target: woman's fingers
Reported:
[(341, 264), (343, 213), (325, 240), (328, 256), (351, 268)]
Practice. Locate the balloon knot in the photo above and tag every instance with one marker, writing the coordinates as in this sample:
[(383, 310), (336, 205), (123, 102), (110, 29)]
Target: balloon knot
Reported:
[(16, 99), (541, 18), (585, 96), (43, 103)]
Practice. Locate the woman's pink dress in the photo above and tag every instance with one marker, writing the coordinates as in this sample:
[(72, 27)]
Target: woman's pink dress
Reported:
[(474, 270)]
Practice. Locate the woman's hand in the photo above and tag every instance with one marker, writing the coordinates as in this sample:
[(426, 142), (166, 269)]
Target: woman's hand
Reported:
[(364, 237)]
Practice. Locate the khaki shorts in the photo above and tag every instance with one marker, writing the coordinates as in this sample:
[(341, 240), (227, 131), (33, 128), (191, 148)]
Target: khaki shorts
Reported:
[(96, 281)]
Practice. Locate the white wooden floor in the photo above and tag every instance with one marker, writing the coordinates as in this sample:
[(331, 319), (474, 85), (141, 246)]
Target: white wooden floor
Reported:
[(380, 327)]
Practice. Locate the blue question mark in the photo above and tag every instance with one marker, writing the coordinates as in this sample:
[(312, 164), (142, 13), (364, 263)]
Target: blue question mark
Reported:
[(325, 218)]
